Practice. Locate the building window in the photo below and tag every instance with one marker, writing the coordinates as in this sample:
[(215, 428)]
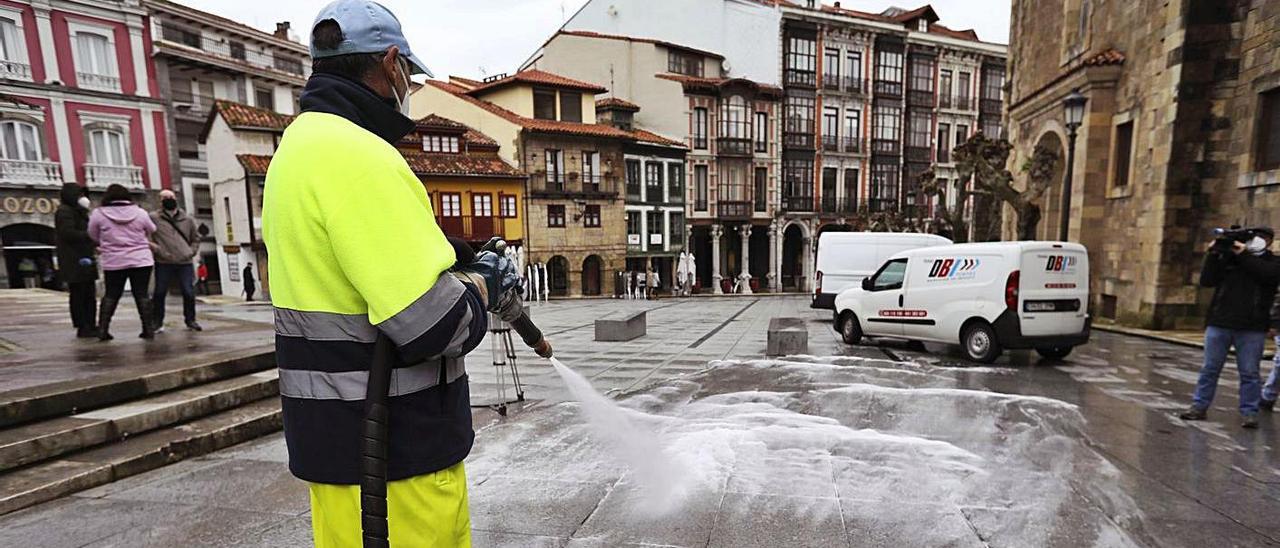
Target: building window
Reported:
[(685, 63), (590, 171), (797, 184), (992, 82), (760, 188), (884, 186), (96, 62), (440, 143), (264, 98), (852, 129), (555, 216), (850, 190), (237, 50), (555, 169), (591, 216), (761, 131), (962, 134), (287, 64), (919, 129), (887, 125), (544, 104), (450, 204), (570, 106), (944, 143), (677, 228), (854, 72), (653, 181), (675, 182), (964, 89), (507, 206), (181, 35), (699, 188), (831, 67), (481, 205), (829, 175), (654, 219), (633, 228), (107, 147), (799, 114), (922, 69), (801, 61), (1123, 154), (1268, 130), (944, 87), (734, 123), (889, 66), (830, 127), (21, 141), (700, 128), (13, 50), (633, 178)]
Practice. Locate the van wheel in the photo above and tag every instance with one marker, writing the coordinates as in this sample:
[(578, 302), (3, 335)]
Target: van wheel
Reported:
[(1054, 352), (980, 344), (850, 329)]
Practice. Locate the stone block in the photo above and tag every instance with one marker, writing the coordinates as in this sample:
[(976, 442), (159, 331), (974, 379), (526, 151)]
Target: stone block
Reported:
[(787, 336), (621, 327)]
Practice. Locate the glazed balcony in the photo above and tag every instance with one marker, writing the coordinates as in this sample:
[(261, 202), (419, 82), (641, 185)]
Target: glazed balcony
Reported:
[(472, 228), (734, 209), (797, 203)]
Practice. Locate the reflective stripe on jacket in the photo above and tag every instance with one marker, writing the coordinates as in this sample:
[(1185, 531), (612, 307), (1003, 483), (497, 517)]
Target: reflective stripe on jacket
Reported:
[(354, 249)]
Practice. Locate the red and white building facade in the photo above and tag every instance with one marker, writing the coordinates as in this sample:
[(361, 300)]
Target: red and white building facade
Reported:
[(79, 102)]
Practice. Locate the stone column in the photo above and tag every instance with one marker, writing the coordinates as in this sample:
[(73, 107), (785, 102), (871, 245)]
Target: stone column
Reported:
[(716, 232), (774, 261), (745, 275)]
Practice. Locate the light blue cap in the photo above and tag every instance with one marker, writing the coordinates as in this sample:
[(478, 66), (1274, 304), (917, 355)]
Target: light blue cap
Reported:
[(367, 27)]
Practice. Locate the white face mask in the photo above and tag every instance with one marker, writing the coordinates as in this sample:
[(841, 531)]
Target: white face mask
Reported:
[(1256, 246), (83, 201), (402, 104)]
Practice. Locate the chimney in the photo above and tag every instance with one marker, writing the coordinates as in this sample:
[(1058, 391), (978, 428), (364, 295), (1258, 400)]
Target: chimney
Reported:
[(837, 5), (282, 30)]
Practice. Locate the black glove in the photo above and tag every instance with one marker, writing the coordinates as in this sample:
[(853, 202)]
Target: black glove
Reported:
[(499, 283)]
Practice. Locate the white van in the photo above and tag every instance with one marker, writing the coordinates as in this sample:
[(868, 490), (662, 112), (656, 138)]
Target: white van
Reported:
[(986, 297), (846, 258)]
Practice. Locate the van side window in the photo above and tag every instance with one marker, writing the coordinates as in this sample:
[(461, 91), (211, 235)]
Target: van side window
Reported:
[(890, 275)]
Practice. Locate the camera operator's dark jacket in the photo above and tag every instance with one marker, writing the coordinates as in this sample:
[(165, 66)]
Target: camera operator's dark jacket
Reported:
[(1245, 289)]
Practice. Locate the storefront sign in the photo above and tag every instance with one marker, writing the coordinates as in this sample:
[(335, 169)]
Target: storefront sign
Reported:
[(27, 205)]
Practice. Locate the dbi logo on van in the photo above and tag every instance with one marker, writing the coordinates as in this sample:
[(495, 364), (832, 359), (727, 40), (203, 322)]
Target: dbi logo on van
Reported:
[(953, 269), (1060, 264)]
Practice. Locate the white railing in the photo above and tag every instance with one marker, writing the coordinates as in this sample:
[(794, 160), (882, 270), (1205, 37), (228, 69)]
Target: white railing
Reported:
[(26, 172), (100, 82), (15, 70), (100, 176)]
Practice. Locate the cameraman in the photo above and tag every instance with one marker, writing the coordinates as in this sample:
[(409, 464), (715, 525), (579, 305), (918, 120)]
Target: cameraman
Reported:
[(1244, 278)]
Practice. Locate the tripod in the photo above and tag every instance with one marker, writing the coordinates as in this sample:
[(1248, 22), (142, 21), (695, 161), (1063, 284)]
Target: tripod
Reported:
[(504, 360)]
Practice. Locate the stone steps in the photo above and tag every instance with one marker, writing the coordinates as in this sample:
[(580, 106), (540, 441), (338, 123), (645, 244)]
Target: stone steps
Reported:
[(73, 472), (39, 441), (35, 403)]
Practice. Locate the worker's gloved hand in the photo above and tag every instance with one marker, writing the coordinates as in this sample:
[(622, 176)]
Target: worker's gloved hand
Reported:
[(499, 283)]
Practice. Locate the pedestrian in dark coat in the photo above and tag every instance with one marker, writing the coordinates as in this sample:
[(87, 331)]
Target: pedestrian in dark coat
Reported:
[(249, 283), (76, 265)]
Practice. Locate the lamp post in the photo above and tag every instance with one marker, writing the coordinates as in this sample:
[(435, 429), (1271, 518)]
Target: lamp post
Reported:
[(1073, 107)]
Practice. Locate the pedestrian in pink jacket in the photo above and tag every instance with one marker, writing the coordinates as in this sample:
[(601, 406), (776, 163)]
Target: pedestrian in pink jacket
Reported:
[(122, 231)]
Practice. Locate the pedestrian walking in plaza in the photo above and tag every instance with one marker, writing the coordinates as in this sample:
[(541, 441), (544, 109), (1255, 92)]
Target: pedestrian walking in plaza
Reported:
[(75, 258), (202, 277), (249, 283), (1244, 279), (123, 231), (357, 263), (1271, 390), (175, 246)]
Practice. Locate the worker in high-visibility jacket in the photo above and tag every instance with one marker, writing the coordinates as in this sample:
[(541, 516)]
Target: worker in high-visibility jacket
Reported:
[(354, 250)]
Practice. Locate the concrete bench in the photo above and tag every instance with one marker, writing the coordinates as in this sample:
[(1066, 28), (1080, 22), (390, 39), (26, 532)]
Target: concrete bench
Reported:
[(787, 336), (621, 327)]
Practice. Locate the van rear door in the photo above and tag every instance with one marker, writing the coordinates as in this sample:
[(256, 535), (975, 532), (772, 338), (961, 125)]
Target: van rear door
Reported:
[(1054, 290)]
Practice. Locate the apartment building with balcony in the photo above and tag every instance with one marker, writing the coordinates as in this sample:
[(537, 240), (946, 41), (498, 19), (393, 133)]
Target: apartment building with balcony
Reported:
[(872, 101), (201, 58), (475, 194), (545, 125), (79, 102), (728, 124)]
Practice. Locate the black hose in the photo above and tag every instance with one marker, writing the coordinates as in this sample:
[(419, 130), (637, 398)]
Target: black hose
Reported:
[(373, 462)]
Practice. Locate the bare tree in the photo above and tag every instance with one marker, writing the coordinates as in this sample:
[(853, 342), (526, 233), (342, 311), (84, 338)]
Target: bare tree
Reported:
[(984, 161)]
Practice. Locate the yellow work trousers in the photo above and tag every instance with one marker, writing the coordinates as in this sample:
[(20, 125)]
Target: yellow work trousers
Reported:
[(427, 511)]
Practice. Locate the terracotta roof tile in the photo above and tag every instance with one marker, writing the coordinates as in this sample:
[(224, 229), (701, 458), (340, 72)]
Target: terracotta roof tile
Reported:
[(538, 77), (967, 34), (906, 16), (254, 164), (1109, 57), (925, 11), (616, 103), (533, 124), (436, 121), (710, 84), (592, 34), (471, 164), (240, 116), (645, 136)]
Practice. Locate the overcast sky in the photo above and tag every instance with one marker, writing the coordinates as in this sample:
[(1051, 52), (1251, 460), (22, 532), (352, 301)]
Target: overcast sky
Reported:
[(478, 37)]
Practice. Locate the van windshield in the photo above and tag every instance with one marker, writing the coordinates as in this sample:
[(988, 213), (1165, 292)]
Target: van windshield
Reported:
[(891, 276)]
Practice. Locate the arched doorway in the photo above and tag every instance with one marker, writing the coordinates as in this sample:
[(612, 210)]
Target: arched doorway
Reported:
[(1051, 205), (28, 255), (558, 276), (592, 271), (793, 254)]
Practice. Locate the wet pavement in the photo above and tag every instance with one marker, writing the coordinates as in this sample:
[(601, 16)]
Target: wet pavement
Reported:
[(870, 446)]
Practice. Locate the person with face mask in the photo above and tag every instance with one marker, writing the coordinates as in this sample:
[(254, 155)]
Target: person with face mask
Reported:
[(357, 262), (1244, 281), (76, 264), (176, 242)]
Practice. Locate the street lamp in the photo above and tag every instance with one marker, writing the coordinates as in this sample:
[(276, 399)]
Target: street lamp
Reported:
[(1073, 109)]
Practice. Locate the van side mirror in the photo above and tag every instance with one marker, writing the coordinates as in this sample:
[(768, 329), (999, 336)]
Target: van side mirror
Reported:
[(866, 284)]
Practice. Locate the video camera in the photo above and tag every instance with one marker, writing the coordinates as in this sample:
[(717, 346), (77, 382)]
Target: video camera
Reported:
[(1225, 238)]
